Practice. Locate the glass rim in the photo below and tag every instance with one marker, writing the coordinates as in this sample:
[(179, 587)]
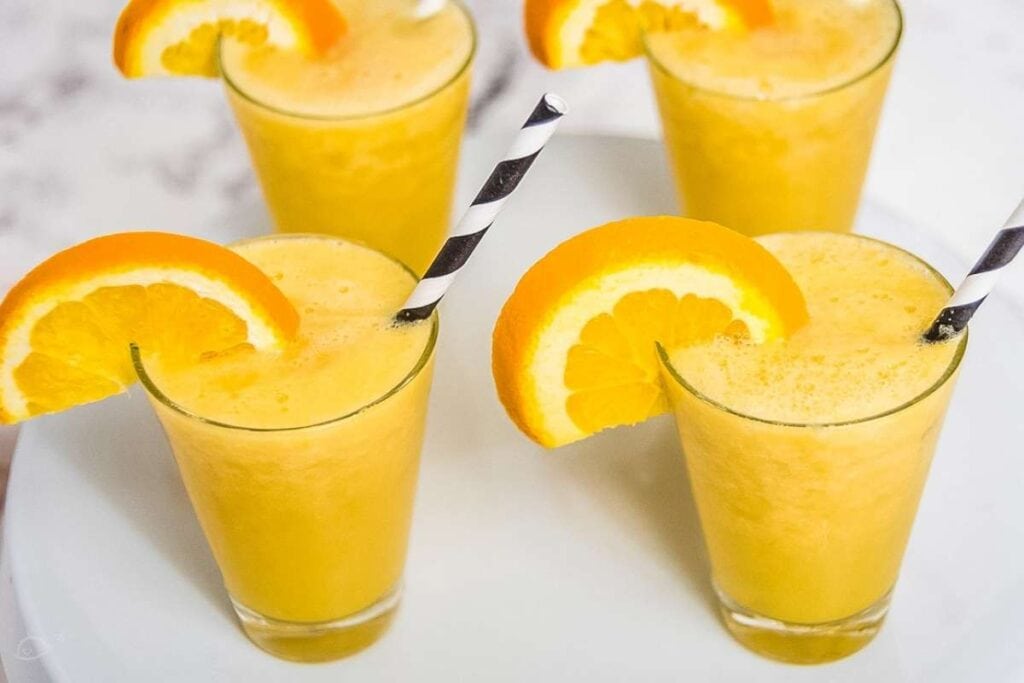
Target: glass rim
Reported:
[(234, 87), (155, 392), (853, 80), (947, 374)]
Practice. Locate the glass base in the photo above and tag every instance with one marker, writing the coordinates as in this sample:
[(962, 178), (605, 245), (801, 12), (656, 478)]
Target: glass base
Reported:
[(320, 641), (802, 643)]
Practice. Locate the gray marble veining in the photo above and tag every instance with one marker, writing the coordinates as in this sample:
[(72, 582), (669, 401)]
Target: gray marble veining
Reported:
[(83, 152)]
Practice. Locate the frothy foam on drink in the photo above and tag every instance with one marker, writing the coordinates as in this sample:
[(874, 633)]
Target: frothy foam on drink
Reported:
[(812, 46), (388, 58), (346, 354), (860, 355)]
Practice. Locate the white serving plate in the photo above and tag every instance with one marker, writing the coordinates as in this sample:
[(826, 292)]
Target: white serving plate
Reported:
[(585, 564)]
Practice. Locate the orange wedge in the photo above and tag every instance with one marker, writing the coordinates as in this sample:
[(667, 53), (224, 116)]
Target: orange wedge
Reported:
[(65, 328), (179, 37), (574, 346), (571, 33)]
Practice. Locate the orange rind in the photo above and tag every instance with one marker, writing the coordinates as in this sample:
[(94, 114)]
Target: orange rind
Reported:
[(573, 33), (574, 346), (179, 37), (66, 327)]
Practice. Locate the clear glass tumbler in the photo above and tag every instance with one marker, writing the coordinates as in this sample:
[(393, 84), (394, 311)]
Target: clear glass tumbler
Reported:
[(763, 165), (309, 525), (383, 178), (806, 524)]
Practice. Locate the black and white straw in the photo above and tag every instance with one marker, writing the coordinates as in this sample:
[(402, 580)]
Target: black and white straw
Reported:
[(467, 234), (980, 282)]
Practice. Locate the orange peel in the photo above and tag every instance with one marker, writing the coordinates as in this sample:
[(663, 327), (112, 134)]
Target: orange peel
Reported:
[(573, 33), (574, 346), (179, 37), (65, 328)]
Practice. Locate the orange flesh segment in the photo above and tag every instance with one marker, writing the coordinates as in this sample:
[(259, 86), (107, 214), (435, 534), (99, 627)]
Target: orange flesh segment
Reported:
[(615, 27), (613, 369), (187, 45), (65, 328), (574, 346)]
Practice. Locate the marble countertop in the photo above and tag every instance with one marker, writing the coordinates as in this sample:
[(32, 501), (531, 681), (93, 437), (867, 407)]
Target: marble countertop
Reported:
[(83, 152)]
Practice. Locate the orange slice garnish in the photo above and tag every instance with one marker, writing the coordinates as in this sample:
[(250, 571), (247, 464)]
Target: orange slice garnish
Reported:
[(574, 346), (571, 33), (66, 327), (179, 37)]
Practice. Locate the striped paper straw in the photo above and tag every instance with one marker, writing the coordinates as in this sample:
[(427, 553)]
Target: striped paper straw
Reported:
[(485, 208), (980, 282)]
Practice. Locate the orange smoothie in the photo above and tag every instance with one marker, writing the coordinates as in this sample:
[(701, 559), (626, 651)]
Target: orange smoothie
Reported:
[(808, 455), (302, 464), (362, 142), (771, 129)]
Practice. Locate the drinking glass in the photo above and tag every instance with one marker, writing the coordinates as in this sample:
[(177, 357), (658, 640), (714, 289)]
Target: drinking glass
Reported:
[(762, 164), (309, 525), (806, 523), (383, 178)]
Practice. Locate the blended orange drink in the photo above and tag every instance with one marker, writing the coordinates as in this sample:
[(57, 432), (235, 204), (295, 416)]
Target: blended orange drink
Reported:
[(808, 455), (363, 140), (807, 403), (294, 405), (769, 128), (302, 462), (353, 109)]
